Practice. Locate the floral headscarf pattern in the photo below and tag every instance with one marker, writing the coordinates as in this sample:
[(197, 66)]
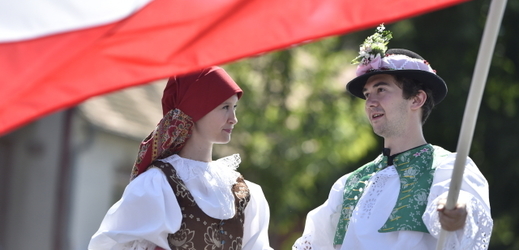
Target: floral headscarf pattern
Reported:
[(168, 138)]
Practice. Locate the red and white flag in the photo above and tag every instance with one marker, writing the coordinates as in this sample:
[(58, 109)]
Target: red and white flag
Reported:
[(57, 53)]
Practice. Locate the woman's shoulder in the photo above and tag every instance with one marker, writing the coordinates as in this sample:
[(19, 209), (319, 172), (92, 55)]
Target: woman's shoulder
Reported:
[(253, 185), (255, 189), (152, 174)]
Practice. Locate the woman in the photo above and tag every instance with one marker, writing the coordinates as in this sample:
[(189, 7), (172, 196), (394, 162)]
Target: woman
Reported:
[(179, 198)]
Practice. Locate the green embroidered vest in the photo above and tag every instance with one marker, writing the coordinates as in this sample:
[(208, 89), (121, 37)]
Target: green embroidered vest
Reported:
[(416, 171)]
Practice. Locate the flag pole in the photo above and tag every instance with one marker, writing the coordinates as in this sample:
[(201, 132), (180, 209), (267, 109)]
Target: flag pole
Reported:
[(479, 78)]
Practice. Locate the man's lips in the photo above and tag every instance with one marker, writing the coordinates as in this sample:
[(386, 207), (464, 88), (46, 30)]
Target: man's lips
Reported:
[(375, 116), (228, 130)]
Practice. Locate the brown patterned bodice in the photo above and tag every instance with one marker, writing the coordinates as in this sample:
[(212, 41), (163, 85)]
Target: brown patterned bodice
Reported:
[(198, 230)]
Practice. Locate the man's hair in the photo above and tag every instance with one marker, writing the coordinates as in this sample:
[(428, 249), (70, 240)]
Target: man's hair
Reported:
[(410, 88)]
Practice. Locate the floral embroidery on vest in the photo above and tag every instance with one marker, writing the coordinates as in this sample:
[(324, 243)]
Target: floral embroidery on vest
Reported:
[(198, 230), (415, 170)]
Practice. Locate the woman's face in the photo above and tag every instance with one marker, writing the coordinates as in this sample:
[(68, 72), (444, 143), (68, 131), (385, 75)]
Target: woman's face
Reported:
[(217, 125)]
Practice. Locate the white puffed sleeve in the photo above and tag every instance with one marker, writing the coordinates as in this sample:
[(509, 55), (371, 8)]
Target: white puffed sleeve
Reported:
[(257, 217), (474, 193), (321, 222), (142, 219)]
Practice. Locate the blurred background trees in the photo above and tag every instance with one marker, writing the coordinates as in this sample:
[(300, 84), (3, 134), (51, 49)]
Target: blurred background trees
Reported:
[(299, 130)]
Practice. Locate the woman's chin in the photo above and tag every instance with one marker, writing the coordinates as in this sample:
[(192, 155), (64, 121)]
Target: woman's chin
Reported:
[(223, 141)]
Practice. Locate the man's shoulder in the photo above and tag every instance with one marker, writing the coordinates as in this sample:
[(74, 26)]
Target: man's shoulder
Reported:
[(446, 157), (441, 152)]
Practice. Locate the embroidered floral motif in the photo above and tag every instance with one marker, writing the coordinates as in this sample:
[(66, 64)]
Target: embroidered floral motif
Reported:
[(184, 193), (168, 138), (240, 190), (353, 189), (205, 232), (415, 169), (421, 196), (212, 238), (236, 244), (415, 172), (182, 239)]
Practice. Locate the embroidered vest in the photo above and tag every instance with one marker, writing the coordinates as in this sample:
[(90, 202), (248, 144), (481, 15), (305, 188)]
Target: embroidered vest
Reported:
[(416, 171), (198, 230)]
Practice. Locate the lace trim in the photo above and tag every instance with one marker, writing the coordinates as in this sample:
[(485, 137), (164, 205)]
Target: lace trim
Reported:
[(209, 182), (139, 245), (223, 169), (376, 185), (477, 230), (231, 161), (303, 243)]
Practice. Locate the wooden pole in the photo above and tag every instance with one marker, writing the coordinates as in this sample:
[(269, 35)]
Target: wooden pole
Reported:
[(479, 78)]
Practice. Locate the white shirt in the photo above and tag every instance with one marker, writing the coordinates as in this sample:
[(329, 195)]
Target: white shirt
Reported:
[(148, 210), (379, 199)]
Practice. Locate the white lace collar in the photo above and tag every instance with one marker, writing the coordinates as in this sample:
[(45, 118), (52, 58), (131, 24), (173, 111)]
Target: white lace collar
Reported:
[(210, 183)]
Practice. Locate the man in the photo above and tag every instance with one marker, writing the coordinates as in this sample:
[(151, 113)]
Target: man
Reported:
[(397, 200)]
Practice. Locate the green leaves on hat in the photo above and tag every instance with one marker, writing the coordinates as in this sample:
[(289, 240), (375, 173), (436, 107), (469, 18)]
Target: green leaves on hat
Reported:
[(374, 45)]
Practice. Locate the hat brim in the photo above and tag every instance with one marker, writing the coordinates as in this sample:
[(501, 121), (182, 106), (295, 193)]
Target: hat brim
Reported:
[(430, 80)]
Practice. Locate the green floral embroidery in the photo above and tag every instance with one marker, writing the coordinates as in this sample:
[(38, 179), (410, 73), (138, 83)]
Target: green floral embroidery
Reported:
[(415, 169), (353, 190)]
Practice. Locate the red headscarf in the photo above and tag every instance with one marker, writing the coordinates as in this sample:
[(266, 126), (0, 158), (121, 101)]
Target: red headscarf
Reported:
[(186, 99)]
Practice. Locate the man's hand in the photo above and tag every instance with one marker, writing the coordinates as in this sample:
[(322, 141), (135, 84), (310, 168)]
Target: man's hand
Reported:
[(454, 219)]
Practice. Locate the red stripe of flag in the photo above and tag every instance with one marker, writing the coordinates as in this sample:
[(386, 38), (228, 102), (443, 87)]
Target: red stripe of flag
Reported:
[(169, 37)]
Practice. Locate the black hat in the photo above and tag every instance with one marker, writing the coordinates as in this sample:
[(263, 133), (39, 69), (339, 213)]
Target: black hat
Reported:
[(401, 62)]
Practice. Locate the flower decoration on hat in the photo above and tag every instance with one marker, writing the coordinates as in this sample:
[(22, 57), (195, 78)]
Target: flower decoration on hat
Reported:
[(374, 47), (375, 58)]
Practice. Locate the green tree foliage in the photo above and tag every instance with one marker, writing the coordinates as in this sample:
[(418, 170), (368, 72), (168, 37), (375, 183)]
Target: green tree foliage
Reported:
[(299, 131)]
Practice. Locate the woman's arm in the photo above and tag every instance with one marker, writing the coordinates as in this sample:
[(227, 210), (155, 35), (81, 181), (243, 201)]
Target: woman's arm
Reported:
[(142, 219), (257, 217)]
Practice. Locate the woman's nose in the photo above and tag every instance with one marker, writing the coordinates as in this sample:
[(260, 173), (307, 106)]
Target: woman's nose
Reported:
[(233, 119)]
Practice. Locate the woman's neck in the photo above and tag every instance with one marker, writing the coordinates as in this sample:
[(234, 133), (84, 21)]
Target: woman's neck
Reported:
[(197, 151)]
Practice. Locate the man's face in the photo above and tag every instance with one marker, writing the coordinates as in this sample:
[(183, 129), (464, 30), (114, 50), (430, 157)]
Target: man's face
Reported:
[(387, 110)]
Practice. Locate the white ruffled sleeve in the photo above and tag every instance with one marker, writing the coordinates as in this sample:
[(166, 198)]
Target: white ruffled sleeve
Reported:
[(474, 192), (142, 219), (321, 222), (257, 217)]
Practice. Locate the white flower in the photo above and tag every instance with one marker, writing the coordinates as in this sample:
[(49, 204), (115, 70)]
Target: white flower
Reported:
[(374, 45)]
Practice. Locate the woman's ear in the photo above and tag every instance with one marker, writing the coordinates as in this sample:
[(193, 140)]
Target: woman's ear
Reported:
[(418, 100)]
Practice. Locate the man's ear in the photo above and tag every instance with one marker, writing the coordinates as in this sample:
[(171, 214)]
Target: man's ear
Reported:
[(418, 100)]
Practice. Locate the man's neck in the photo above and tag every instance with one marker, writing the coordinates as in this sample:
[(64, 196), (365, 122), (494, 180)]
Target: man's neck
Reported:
[(399, 145)]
